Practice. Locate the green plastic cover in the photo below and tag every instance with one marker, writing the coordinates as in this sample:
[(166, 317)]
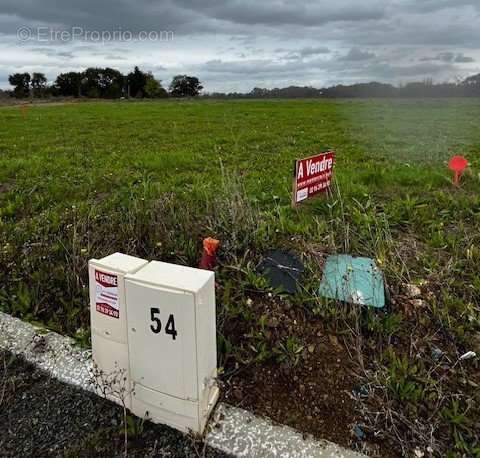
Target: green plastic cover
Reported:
[(353, 280)]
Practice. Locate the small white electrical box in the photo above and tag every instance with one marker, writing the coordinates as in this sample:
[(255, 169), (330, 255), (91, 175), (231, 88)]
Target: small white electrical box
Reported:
[(108, 317), (172, 344)]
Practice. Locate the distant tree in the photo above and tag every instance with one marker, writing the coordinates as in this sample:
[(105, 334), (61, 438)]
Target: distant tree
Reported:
[(417, 89), (111, 83), (258, 92), (5, 94), (372, 89), (68, 84), (39, 84), (185, 86), (216, 95), (286, 92), (472, 85), (153, 87), (90, 85), (136, 82), (472, 80), (21, 83), (102, 82)]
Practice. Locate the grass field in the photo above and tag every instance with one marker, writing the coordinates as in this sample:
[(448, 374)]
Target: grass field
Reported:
[(83, 180)]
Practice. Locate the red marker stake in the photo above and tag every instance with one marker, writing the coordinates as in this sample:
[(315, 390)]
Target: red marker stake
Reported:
[(457, 164)]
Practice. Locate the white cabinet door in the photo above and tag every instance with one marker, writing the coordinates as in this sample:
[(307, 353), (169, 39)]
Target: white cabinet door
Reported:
[(162, 340)]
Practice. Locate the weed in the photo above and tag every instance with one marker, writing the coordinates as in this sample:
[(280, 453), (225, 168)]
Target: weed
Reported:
[(289, 351)]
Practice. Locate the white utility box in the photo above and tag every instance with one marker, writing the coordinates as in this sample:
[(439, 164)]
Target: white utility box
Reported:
[(172, 344), (108, 316)]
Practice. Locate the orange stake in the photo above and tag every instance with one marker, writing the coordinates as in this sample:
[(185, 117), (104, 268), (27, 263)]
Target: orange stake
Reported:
[(24, 111), (210, 247)]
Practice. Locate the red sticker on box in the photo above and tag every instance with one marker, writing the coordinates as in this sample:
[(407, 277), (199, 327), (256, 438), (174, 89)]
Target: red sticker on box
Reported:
[(106, 294)]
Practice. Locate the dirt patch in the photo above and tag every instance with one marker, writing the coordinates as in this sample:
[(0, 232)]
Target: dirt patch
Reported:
[(315, 397), (310, 385), (10, 101), (5, 187)]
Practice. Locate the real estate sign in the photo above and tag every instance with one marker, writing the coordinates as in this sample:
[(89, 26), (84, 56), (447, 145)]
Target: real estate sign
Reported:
[(312, 176)]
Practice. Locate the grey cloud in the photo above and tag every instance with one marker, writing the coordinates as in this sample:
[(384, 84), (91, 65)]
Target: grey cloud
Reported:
[(243, 66), (52, 52), (134, 15), (305, 52), (262, 69), (65, 54), (245, 17), (270, 73), (248, 41), (445, 57), (115, 57), (428, 6), (449, 56), (313, 51), (461, 59), (356, 54), (369, 67), (419, 71), (362, 23), (287, 11)]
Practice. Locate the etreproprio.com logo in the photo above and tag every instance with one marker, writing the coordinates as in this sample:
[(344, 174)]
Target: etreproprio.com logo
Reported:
[(47, 34)]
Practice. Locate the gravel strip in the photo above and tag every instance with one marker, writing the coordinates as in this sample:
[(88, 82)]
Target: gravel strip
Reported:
[(43, 417)]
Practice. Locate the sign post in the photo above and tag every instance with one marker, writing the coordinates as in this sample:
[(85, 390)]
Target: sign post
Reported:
[(312, 176)]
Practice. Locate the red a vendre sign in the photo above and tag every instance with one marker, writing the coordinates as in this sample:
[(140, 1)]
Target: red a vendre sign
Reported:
[(312, 175)]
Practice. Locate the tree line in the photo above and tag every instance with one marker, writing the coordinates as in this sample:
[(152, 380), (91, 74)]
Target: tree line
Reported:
[(468, 87), (102, 83), (111, 83)]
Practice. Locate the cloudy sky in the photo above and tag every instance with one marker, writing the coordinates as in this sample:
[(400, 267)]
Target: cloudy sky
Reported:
[(238, 44)]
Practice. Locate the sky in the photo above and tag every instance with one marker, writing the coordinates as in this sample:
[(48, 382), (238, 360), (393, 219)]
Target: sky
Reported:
[(235, 45)]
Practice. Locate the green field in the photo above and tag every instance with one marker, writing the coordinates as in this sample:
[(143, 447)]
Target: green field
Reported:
[(83, 180)]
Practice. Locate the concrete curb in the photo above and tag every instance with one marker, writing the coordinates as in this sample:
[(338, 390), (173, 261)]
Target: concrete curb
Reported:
[(232, 430)]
